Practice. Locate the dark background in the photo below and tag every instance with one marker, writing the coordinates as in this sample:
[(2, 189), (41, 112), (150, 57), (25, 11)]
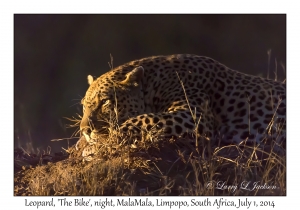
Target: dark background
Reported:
[(53, 54)]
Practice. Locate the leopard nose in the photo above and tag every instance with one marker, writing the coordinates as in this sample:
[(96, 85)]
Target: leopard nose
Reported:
[(85, 125)]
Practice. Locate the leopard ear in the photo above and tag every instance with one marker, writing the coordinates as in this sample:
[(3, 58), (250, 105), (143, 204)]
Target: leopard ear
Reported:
[(134, 77), (90, 79)]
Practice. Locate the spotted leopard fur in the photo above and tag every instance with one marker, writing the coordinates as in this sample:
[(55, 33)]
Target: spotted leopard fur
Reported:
[(180, 94)]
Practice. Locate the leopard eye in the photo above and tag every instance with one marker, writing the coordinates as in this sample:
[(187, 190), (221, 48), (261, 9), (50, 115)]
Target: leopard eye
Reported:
[(104, 101)]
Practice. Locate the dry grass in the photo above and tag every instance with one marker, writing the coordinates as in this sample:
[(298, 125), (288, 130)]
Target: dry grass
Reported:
[(166, 167)]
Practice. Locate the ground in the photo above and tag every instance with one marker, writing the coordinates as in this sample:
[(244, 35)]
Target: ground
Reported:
[(156, 169)]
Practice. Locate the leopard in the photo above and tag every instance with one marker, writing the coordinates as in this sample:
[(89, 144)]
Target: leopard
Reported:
[(181, 94)]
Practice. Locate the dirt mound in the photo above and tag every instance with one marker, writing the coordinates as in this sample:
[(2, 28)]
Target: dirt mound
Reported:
[(149, 168)]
